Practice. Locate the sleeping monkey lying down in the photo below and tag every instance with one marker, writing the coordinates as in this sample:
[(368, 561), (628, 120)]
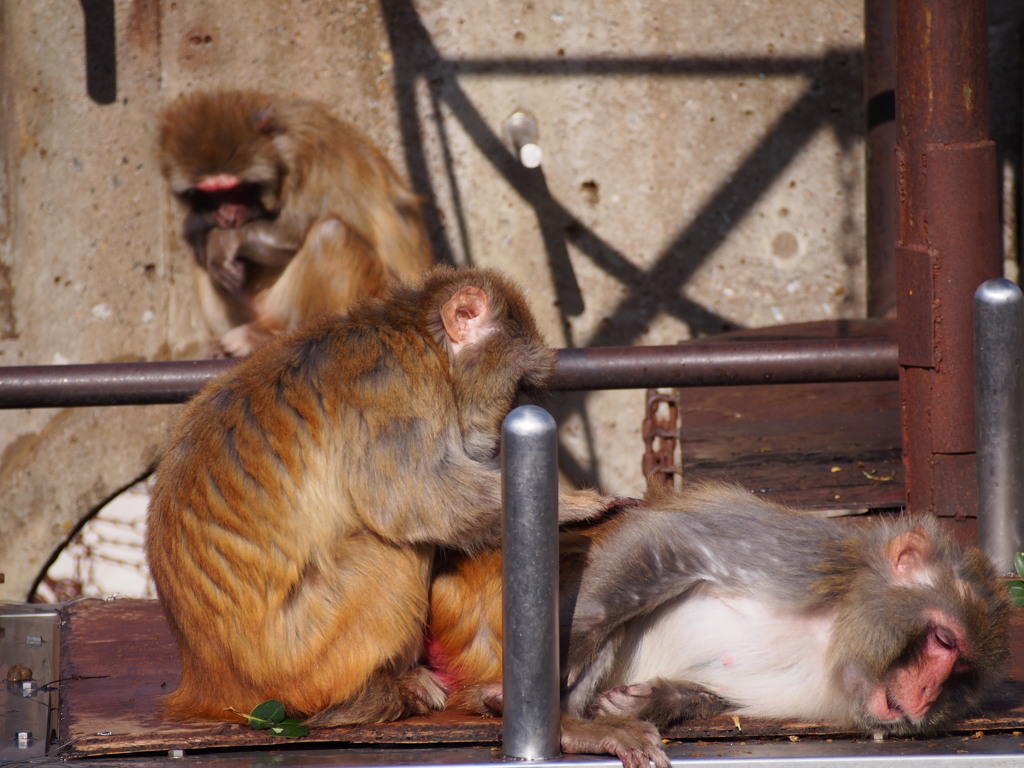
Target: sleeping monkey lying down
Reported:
[(713, 600)]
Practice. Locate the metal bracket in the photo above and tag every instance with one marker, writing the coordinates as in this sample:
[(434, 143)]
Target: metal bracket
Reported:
[(29, 649), (661, 462)]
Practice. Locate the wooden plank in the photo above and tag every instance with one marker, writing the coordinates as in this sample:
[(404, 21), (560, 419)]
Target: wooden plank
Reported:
[(118, 658), (828, 446)]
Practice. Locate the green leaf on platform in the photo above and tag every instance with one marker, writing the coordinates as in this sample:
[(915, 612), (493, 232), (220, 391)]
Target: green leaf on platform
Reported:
[(269, 716)]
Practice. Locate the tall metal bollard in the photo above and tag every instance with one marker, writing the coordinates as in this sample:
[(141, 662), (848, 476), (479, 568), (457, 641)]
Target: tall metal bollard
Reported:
[(999, 414), (530, 588)]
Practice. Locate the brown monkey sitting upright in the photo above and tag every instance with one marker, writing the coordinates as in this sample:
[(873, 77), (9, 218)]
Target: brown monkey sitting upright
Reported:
[(298, 505), (715, 600), (290, 212)]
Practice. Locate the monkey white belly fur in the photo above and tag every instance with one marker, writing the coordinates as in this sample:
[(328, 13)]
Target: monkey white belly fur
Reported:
[(768, 661)]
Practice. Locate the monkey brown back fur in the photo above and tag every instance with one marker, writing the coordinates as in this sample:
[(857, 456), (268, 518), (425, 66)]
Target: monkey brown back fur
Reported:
[(296, 510), (290, 212)]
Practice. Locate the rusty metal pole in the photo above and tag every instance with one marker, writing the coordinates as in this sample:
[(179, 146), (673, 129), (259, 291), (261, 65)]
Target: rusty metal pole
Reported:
[(947, 240), (683, 365), (880, 142)]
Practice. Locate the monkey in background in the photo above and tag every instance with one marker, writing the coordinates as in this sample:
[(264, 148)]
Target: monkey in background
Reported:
[(713, 600), (289, 211), (297, 508)]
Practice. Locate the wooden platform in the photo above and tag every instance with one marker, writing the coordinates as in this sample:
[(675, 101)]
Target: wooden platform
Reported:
[(118, 659)]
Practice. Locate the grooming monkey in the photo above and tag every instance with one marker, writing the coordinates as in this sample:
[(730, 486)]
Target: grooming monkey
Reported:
[(713, 600), (297, 508), (290, 212)]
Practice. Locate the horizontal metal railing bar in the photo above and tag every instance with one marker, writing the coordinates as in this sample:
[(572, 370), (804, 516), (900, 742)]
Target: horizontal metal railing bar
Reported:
[(683, 365), (697, 364), (64, 386)]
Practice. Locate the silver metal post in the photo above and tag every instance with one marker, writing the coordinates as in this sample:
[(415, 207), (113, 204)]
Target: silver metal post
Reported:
[(530, 587), (999, 412)]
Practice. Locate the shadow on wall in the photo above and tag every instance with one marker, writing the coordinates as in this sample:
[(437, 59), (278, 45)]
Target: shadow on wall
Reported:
[(100, 50), (648, 292)]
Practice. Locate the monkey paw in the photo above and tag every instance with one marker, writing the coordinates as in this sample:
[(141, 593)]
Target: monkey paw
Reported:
[(580, 505), (635, 742), (426, 693), (243, 339), (384, 698), (624, 700), (483, 699), (228, 274), (226, 270), (494, 700)]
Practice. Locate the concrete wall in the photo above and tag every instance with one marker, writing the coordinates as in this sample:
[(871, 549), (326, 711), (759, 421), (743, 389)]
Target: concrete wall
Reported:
[(703, 171)]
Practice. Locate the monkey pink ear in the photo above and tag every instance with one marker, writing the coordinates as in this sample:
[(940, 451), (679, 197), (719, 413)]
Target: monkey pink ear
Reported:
[(910, 554), (466, 316)]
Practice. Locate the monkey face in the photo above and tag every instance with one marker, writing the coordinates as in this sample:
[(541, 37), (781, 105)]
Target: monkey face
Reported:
[(225, 201)]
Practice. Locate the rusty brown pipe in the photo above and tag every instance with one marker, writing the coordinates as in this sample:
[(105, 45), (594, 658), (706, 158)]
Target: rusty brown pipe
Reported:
[(685, 365)]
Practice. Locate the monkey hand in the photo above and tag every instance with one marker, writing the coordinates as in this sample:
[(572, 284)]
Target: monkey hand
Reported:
[(587, 505), (484, 699), (635, 742), (624, 700), (226, 269), (660, 702), (227, 274), (243, 339)]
